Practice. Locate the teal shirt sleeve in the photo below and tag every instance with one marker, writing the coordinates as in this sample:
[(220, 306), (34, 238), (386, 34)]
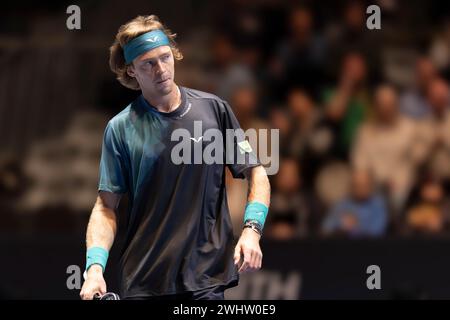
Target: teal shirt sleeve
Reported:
[(113, 170)]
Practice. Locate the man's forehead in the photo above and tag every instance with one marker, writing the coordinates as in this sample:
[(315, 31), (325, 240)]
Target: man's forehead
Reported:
[(154, 53)]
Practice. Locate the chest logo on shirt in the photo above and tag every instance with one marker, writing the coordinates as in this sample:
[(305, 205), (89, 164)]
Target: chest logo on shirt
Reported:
[(229, 146), (197, 140)]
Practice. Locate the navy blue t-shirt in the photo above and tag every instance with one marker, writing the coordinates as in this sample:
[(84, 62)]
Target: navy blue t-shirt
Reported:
[(179, 234)]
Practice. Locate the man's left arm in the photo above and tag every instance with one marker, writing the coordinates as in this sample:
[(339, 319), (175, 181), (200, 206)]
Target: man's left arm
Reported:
[(247, 248)]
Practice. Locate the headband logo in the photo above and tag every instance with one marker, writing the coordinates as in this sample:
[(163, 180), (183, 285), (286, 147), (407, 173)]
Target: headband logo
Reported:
[(144, 43), (154, 39)]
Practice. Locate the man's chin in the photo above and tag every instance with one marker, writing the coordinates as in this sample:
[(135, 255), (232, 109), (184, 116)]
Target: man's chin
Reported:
[(166, 89)]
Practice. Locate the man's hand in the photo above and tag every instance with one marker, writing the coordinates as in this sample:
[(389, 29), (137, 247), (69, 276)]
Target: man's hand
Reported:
[(94, 284), (248, 247)]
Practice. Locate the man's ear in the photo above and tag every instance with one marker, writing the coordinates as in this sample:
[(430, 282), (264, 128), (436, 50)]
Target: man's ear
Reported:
[(130, 71)]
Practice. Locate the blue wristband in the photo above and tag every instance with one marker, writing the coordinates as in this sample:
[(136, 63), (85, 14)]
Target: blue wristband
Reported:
[(256, 211), (96, 255)]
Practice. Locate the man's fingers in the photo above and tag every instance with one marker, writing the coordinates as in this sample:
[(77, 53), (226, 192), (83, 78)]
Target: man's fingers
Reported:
[(260, 261), (252, 259), (255, 259), (247, 260), (88, 294), (243, 267), (84, 295), (237, 254)]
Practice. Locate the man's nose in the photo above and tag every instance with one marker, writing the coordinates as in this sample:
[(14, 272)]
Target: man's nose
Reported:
[(159, 68)]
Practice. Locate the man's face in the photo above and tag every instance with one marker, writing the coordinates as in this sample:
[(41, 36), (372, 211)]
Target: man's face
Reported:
[(154, 71), (386, 103)]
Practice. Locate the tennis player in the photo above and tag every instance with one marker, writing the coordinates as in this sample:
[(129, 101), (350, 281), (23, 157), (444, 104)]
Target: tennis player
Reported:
[(179, 238)]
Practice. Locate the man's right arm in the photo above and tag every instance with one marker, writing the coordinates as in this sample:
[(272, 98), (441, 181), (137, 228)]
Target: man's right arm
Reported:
[(101, 231)]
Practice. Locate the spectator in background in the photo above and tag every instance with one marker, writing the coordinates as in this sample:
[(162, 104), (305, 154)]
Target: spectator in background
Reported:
[(290, 205), (350, 34), (363, 213), (227, 72), (311, 139), (245, 106), (437, 129), (299, 59), (391, 146), (280, 119), (440, 49), (413, 102), (242, 21), (346, 105), (305, 117), (430, 212)]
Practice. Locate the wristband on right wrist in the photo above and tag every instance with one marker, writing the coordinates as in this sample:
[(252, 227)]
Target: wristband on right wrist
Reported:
[(96, 255)]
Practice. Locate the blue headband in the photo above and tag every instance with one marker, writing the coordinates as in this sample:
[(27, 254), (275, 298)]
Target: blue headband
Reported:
[(145, 42)]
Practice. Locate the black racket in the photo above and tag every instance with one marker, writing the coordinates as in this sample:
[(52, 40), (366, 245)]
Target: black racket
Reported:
[(107, 296)]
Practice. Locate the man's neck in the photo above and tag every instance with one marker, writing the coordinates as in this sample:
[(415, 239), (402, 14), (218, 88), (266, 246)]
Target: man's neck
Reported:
[(167, 103)]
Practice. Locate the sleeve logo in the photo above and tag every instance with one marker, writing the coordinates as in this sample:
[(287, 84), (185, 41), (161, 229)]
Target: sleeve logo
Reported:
[(244, 146)]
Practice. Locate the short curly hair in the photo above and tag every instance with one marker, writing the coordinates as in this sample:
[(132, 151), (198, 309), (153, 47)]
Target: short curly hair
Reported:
[(129, 31)]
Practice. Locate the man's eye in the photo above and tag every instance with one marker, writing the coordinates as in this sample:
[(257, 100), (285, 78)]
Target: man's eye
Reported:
[(166, 57)]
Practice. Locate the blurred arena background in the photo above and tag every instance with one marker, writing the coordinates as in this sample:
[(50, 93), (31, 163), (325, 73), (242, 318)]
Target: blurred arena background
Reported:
[(364, 124)]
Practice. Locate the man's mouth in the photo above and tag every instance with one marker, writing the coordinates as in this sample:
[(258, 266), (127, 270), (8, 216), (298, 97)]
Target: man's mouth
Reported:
[(163, 81)]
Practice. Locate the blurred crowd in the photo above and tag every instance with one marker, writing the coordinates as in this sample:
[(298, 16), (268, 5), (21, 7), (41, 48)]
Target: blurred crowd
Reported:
[(363, 117)]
